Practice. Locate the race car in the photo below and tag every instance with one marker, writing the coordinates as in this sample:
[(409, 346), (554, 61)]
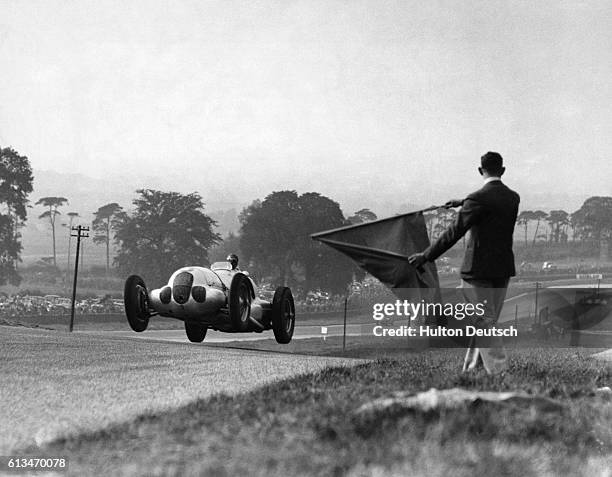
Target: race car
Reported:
[(221, 298)]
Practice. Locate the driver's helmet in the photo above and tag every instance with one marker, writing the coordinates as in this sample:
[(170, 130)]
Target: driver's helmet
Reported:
[(233, 259)]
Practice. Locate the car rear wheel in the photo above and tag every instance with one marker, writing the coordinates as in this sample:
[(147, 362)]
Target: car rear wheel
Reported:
[(136, 301), (196, 332), (283, 315), (240, 302)]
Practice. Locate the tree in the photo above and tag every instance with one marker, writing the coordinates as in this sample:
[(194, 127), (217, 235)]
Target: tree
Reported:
[(595, 220), (577, 225), (361, 216), (103, 226), (52, 204), (15, 186), (275, 238), (523, 219), (269, 231), (229, 244), (557, 220), (166, 231), (538, 216), (15, 183), (596, 213), (322, 266)]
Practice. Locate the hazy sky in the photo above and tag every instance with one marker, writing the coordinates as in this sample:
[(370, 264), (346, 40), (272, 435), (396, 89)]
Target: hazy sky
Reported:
[(313, 95)]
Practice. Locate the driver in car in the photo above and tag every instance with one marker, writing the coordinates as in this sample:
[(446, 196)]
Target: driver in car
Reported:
[(233, 259)]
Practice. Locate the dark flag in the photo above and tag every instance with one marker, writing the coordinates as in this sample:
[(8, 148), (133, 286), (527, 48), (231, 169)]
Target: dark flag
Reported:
[(382, 247)]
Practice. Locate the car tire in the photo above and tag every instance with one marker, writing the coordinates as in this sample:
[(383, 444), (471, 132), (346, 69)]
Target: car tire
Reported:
[(240, 302), (136, 301), (283, 315), (196, 332)]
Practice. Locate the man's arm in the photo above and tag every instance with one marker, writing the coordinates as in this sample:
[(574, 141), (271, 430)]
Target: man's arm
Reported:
[(470, 214)]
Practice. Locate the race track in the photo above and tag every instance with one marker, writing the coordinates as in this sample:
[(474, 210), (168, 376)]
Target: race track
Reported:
[(301, 332), (54, 383)]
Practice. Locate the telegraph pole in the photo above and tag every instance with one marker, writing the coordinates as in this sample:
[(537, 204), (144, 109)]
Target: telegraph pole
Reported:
[(81, 232), (72, 216)]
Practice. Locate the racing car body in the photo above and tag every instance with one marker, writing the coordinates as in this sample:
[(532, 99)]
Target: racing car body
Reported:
[(219, 298)]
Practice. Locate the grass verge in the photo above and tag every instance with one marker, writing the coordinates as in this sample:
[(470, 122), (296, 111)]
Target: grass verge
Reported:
[(307, 425)]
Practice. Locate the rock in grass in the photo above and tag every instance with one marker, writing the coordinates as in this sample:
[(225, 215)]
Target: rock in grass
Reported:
[(446, 399)]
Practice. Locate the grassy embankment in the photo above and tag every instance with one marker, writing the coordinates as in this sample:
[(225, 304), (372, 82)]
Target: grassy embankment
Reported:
[(309, 425)]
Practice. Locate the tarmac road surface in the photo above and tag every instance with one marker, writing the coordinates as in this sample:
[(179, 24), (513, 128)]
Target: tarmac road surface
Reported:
[(54, 383), (301, 332), (520, 305)]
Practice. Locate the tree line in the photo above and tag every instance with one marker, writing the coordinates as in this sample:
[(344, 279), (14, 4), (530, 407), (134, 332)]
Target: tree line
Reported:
[(167, 230), (591, 223)]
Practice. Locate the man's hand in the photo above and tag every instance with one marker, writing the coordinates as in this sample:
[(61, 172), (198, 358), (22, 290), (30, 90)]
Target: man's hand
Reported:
[(453, 203), (417, 260)]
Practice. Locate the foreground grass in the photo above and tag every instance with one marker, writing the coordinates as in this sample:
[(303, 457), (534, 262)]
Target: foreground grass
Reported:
[(307, 426)]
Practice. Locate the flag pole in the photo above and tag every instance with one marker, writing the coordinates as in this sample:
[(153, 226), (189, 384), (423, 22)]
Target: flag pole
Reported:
[(353, 226)]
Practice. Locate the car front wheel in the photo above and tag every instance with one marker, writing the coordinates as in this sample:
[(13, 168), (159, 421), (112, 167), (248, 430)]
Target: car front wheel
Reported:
[(240, 302), (136, 301), (283, 315)]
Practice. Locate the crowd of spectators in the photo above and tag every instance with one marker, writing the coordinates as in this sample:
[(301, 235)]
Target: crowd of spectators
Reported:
[(28, 305), (359, 295)]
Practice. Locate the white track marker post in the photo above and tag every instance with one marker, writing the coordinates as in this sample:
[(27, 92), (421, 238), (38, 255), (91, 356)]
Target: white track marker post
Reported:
[(516, 316), (536, 317), (344, 328), (324, 332), (81, 232)]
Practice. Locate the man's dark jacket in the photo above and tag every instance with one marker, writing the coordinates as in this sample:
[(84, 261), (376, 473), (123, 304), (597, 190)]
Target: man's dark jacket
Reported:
[(489, 214)]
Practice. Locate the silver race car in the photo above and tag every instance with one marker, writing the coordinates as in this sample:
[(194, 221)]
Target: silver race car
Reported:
[(220, 297)]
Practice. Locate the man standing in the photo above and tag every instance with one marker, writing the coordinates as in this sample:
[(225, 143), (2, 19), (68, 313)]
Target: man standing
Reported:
[(489, 214)]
